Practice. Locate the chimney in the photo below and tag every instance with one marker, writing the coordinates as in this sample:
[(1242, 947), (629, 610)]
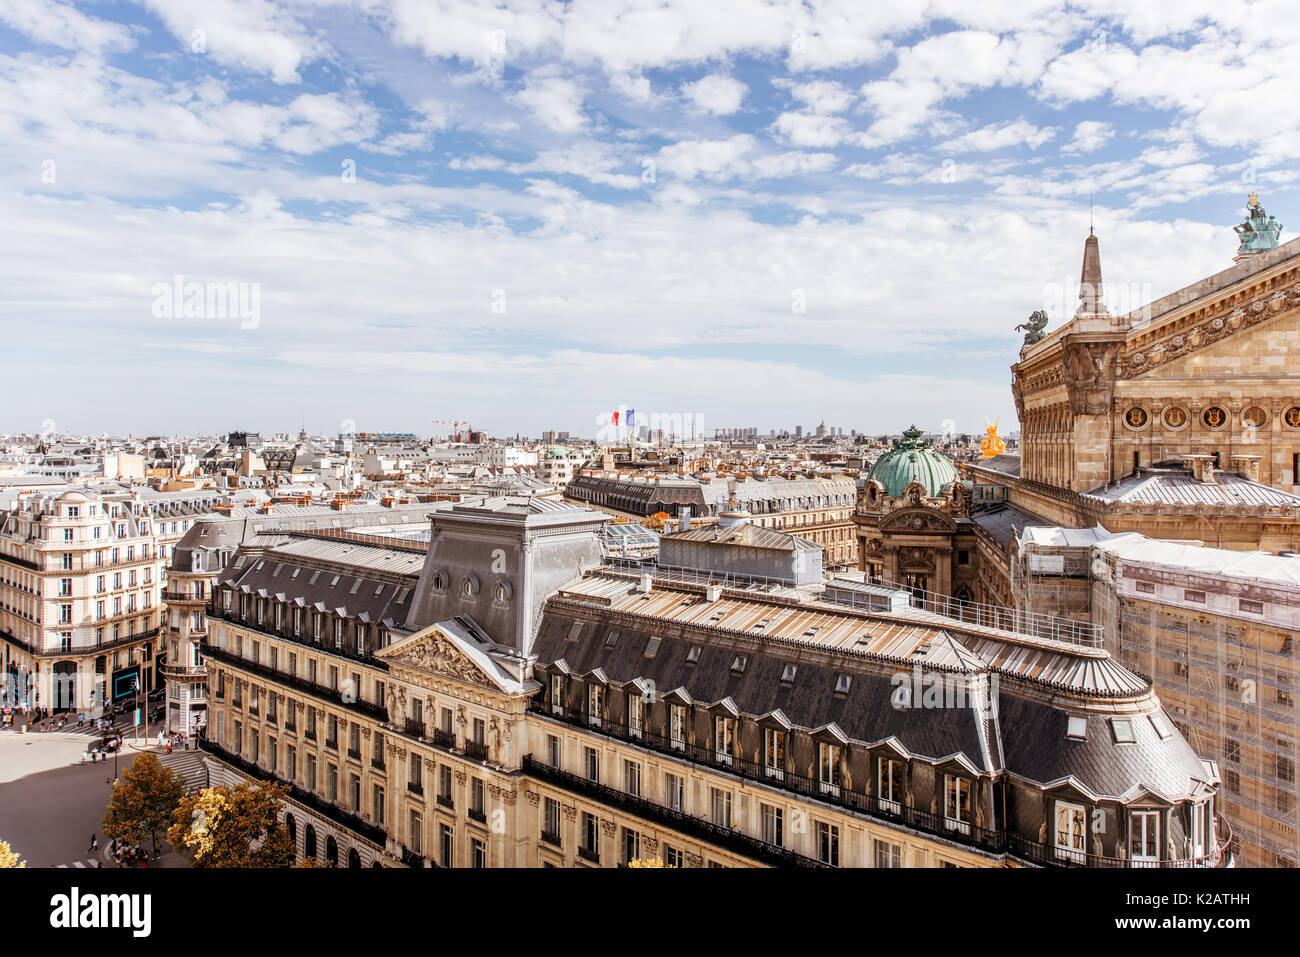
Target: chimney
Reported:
[(712, 592), (645, 584), (685, 516)]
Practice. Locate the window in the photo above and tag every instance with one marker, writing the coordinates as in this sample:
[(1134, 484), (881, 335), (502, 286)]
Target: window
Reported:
[(1144, 837), (1285, 768), (888, 854), (828, 768), (311, 772), (445, 846), (1161, 724), (551, 821), (1070, 833), (674, 790), (553, 756), (721, 804), (1122, 729), (1201, 828), (774, 753), (828, 844), (631, 845), (956, 803), (416, 832), (724, 738), (291, 762), (478, 853), (889, 785), (672, 856), (635, 715), (632, 777), (589, 840), (595, 704), (591, 763), (677, 727), (416, 780), (773, 825), (557, 694), (332, 782), (377, 805), (444, 785), (1232, 750), (476, 807), (1077, 728)]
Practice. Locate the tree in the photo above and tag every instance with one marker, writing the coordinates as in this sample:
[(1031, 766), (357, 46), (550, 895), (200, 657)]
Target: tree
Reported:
[(9, 857), (143, 802), (235, 826)]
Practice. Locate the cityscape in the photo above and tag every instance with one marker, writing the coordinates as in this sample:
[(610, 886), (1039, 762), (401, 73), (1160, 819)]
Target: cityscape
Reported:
[(597, 436)]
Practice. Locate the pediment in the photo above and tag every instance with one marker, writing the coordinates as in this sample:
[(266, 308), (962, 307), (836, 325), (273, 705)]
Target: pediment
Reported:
[(917, 519), (438, 653), (1241, 331)]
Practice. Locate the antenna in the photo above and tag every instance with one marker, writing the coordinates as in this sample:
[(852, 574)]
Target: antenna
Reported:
[(1089, 212)]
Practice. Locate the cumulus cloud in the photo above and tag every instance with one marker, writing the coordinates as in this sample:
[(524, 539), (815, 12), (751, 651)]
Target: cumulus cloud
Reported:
[(716, 93)]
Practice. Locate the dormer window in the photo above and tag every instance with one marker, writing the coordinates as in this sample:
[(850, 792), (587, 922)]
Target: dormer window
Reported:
[(738, 664), (1077, 728), (611, 639), (1161, 724), (1122, 729), (693, 655), (843, 683), (788, 673)]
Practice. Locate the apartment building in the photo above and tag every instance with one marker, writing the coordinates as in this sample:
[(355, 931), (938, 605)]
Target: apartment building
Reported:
[(80, 580), (500, 697)]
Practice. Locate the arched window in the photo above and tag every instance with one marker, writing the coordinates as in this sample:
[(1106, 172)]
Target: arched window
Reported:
[(309, 842), (331, 852), (354, 859), (292, 826)]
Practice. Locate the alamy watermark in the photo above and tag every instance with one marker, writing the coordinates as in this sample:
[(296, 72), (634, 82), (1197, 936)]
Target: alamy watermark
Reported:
[(179, 299)]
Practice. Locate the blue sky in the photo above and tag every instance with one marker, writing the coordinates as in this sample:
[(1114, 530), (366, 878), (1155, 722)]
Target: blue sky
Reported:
[(525, 214)]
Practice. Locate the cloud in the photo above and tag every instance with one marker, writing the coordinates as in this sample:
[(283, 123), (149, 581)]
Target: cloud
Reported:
[(998, 136), (61, 25), (1089, 135), (555, 101), (716, 93), (250, 34)]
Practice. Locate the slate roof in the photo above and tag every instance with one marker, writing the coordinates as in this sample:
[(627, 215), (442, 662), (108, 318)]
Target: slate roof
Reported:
[(1026, 736), (1180, 487), (747, 534)]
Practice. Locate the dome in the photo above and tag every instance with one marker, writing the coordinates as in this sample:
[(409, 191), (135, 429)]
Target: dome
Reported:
[(913, 458)]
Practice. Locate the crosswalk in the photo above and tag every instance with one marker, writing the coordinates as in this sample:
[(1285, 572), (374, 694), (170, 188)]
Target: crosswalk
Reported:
[(89, 862)]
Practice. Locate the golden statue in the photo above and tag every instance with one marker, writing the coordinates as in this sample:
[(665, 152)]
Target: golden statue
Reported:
[(992, 443)]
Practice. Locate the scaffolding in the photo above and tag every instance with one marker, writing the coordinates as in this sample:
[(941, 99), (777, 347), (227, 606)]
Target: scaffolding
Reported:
[(1225, 677)]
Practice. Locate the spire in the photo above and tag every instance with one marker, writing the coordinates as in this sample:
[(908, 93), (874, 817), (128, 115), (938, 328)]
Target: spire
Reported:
[(1090, 291)]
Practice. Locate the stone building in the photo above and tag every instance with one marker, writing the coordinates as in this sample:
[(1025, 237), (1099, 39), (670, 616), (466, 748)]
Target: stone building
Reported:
[(501, 697), (913, 522)]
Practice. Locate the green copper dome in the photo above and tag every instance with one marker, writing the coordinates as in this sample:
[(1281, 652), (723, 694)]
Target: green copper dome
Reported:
[(913, 458)]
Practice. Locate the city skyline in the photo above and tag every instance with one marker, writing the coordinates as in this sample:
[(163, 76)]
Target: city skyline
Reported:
[(530, 214)]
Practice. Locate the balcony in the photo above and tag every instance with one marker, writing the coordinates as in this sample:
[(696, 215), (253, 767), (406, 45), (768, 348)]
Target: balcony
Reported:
[(371, 832), (982, 840), (476, 749), (444, 738), (415, 788), (366, 708), (588, 854), (414, 727), (183, 672), (444, 800), (552, 838), (477, 815), (732, 840)]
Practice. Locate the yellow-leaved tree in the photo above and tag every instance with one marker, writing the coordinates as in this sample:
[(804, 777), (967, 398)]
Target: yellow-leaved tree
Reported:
[(9, 857), (233, 826)]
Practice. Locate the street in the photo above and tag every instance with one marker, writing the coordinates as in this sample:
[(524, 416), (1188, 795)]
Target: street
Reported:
[(50, 802)]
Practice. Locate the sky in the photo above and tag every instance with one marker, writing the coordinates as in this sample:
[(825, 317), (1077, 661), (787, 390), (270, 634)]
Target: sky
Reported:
[(525, 214)]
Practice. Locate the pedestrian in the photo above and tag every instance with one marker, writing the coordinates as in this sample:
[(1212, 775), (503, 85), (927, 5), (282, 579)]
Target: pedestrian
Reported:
[(81, 719), (94, 842)]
